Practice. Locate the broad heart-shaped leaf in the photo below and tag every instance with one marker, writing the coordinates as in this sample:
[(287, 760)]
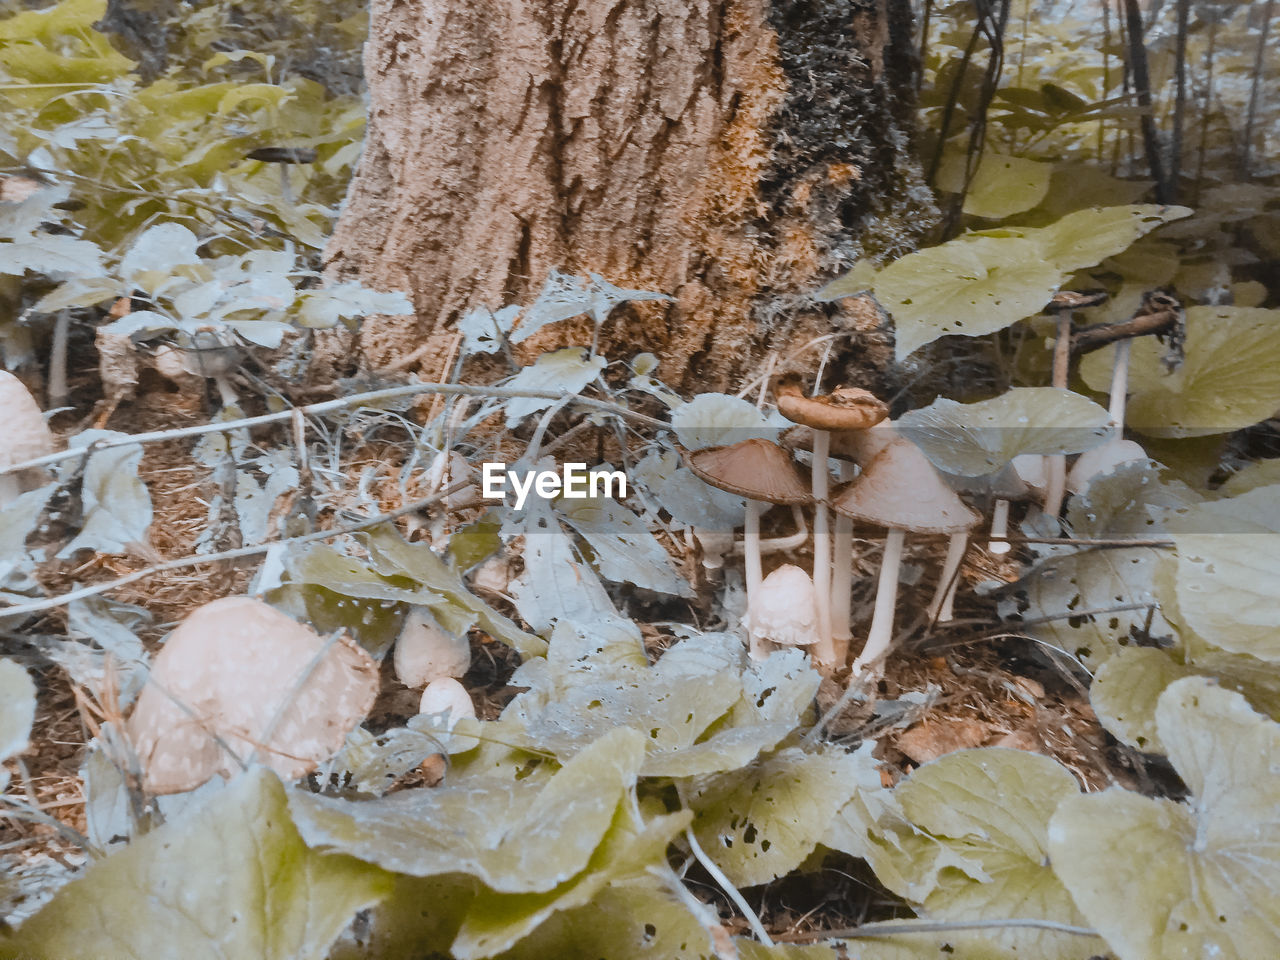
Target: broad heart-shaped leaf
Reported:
[(1217, 860), (1229, 380), (972, 439), (624, 548), (1087, 601), (1000, 187), (1086, 237), (231, 878), (970, 286), (1228, 569), (1126, 689), (497, 921), (515, 836), (457, 608), (762, 821), (755, 950), (117, 505), (943, 945), (992, 807), (17, 709), (858, 280), (564, 371)]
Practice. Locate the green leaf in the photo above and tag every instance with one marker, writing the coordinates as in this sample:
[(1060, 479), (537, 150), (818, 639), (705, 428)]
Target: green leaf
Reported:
[(1214, 892), (969, 287), (1087, 601), (17, 709), (117, 504), (496, 921), (1087, 237), (972, 439), (231, 878), (516, 836), (156, 252), (477, 541), (858, 280), (565, 371), (719, 420), (763, 821), (624, 549), (1263, 473), (456, 607), (631, 919), (1229, 380), (1125, 690), (1228, 566), (991, 807), (1000, 187)]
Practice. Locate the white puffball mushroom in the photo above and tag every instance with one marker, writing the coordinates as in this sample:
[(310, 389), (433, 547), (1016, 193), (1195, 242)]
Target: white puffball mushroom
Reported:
[(426, 651), (239, 681), (1102, 460), (25, 437), (448, 698), (783, 611)]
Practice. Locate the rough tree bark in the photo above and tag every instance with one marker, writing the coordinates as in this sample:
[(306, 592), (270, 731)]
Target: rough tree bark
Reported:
[(733, 153)]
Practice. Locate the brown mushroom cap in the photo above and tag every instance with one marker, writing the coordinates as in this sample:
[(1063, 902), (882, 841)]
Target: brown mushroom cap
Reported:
[(845, 408), (900, 488), (755, 469), (238, 675), (859, 446)]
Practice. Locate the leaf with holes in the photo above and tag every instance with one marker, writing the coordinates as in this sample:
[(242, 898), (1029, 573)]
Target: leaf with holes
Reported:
[(1214, 894)]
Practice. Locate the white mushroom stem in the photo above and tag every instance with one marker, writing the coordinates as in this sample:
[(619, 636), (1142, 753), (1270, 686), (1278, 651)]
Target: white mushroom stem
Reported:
[(1057, 464), (940, 608), (751, 547), (1119, 385), (881, 633), (792, 541), (824, 651), (842, 579), (999, 527)]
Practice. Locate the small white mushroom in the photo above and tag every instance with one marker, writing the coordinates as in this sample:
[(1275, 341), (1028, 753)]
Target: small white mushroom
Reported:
[(1102, 460), (783, 612), (426, 651), (25, 436), (239, 682), (449, 699)]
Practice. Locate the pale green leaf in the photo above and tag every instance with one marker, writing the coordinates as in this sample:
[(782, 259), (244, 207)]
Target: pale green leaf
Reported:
[(1229, 380), (992, 807), (1000, 187), (516, 836), (624, 549), (762, 821), (564, 371), (1227, 569), (1213, 894), (969, 287), (858, 280), (1087, 237), (229, 879), (719, 420), (972, 439), (117, 504), (1125, 690), (17, 708), (156, 252)]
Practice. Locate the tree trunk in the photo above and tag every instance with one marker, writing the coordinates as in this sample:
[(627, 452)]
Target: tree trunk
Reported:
[(735, 154)]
